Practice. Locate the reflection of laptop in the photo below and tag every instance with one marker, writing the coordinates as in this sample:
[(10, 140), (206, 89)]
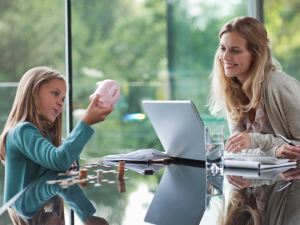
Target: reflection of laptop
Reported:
[(179, 128), (180, 197)]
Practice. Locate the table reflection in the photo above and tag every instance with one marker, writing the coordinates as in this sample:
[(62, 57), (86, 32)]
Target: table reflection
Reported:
[(186, 194), (43, 202), (180, 197), (258, 201)]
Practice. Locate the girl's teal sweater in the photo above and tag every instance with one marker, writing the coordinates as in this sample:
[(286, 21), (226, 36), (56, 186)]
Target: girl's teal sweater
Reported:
[(28, 154)]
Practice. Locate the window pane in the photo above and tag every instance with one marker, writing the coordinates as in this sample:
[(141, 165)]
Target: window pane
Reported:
[(193, 29), (123, 40), (126, 41), (282, 23), (28, 39), (136, 42)]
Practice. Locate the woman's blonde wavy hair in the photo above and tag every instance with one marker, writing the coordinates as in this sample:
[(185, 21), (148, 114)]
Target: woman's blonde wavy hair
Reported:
[(239, 211), (26, 106), (227, 96)]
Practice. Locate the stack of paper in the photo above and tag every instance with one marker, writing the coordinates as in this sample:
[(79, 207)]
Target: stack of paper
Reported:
[(251, 161), (143, 155), (138, 167), (257, 174)]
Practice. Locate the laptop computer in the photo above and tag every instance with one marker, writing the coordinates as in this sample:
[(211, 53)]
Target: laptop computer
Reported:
[(178, 127)]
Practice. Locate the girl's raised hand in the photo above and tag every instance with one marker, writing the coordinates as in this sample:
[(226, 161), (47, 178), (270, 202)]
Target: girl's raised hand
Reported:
[(94, 114), (238, 142)]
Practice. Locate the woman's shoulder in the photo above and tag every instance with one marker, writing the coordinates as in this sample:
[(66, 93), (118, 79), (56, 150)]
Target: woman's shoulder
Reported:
[(279, 78), (280, 81)]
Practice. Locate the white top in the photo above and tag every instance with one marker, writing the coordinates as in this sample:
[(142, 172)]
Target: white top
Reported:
[(261, 124)]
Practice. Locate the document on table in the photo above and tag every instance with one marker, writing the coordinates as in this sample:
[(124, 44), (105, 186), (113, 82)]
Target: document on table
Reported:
[(142, 168), (250, 161), (142, 155), (256, 173)]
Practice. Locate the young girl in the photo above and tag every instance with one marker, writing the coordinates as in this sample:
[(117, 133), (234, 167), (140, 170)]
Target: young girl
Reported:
[(249, 87), (31, 141)]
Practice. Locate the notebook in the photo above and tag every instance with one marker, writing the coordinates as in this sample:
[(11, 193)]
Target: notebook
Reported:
[(178, 127)]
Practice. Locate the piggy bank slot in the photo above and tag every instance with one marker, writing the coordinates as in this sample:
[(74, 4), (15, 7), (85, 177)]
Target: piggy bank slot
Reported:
[(113, 91)]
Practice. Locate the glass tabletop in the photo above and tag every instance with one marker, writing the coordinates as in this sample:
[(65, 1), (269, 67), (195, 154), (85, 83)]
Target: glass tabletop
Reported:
[(181, 192)]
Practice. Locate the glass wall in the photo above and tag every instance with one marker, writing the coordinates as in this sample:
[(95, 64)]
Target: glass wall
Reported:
[(282, 19), (32, 34), (155, 50), (123, 40), (193, 37)]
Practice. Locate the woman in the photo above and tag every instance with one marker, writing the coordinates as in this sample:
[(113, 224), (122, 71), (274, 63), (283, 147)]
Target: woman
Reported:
[(249, 87)]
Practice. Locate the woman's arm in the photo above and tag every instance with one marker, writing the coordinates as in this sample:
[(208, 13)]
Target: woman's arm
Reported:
[(282, 103)]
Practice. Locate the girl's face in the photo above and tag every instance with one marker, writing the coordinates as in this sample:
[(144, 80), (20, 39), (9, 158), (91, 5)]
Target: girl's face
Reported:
[(52, 95), (234, 55)]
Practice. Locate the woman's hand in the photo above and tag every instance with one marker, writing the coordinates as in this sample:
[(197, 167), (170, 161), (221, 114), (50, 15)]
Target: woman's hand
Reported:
[(238, 142), (288, 151), (94, 114), (238, 181), (291, 174)]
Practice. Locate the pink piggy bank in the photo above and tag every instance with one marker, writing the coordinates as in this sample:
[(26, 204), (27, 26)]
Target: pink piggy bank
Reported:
[(109, 92)]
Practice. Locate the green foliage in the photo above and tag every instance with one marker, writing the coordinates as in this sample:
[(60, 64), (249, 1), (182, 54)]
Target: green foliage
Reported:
[(282, 19), (31, 35), (134, 43), (193, 40)]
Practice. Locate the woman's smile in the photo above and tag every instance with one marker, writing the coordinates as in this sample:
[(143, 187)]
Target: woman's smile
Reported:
[(235, 56)]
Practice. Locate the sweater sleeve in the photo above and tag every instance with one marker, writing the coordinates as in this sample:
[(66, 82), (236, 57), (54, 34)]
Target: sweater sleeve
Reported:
[(236, 127), (33, 145), (283, 107), (31, 202)]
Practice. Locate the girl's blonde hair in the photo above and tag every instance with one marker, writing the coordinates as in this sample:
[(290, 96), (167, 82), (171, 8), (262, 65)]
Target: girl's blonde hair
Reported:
[(26, 106), (227, 96), (55, 204)]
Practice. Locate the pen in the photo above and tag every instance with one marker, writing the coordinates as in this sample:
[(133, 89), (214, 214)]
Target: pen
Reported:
[(286, 140), (283, 186)]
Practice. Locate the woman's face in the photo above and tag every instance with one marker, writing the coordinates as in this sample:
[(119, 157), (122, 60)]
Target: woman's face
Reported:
[(234, 55)]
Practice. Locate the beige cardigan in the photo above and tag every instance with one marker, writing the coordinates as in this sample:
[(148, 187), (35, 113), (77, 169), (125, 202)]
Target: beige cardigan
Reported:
[(283, 207), (282, 103)]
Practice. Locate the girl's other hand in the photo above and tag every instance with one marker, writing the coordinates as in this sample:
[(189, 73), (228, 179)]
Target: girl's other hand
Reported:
[(95, 220), (73, 166), (289, 152), (94, 114), (238, 142)]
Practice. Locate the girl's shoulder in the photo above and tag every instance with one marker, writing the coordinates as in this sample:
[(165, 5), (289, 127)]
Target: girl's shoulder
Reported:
[(23, 127)]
